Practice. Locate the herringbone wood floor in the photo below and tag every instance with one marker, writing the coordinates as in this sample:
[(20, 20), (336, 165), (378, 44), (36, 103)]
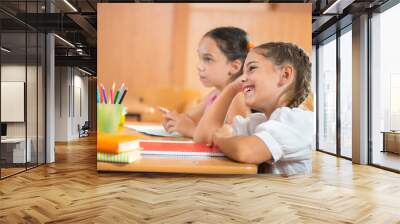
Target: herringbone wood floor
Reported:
[(71, 191)]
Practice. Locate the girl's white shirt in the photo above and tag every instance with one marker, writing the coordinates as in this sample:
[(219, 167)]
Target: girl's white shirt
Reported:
[(288, 135)]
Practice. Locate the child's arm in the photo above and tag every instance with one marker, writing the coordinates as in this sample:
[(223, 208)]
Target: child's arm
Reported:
[(237, 108), (245, 149), (214, 117), (197, 111), (184, 123)]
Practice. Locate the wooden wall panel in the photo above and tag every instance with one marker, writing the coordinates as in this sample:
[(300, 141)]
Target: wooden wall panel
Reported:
[(135, 46), (154, 46), (263, 23)]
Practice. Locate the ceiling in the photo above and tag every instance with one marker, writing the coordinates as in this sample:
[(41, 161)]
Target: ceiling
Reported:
[(76, 22)]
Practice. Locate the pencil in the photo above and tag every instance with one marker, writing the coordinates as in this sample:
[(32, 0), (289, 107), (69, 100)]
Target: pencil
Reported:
[(123, 95), (104, 93), (112, 93), (116, 97), (121, 91)]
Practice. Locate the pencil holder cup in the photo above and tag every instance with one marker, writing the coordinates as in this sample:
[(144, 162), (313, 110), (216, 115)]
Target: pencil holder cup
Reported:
[(110, 117)]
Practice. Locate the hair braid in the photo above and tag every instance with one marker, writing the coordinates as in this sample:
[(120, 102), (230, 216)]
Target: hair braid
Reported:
[(303, 88)]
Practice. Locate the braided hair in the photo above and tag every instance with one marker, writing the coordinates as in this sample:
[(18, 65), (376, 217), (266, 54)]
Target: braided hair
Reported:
[(287, 53), (232, 42)]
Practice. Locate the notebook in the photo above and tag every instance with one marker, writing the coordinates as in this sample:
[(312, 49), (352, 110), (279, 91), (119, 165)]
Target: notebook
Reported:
[(117, 143), (124, 157), (153, 130), (182, 148)]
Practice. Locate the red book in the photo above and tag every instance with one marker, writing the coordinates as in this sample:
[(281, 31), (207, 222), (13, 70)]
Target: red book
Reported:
[(181, 148)]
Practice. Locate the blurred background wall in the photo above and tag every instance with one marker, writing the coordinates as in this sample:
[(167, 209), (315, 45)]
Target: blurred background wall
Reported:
[(152, 48)]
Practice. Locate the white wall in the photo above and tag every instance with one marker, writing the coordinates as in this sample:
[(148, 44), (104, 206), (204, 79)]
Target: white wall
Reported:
[(71, 93), (62, 81), (79, 112), (12, 73)]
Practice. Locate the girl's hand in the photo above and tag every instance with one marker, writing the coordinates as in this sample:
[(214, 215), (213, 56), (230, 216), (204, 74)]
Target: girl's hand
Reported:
[(222, 133), (181, 123), (163, 110), (165, 121), (236, 85)]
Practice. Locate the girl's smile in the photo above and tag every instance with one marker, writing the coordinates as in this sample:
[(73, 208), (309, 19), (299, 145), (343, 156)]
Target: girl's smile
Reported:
[(248, 90)]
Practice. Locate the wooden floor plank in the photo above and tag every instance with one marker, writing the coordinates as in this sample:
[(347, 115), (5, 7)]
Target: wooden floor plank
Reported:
[(71, 191)]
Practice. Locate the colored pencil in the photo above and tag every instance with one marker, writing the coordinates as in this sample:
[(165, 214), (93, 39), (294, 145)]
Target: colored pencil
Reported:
[(123, 95), (116, 97), (104, 93), (121, 91), (112, 93)]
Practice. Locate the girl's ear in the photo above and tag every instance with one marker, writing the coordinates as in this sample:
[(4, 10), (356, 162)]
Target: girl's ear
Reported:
[(235, 66), (286, 75)]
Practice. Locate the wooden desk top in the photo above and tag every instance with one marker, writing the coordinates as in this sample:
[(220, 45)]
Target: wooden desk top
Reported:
[(179, 164), (172, 164)]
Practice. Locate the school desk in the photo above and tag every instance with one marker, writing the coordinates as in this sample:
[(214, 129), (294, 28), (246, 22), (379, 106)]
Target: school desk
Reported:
[(179, 164)]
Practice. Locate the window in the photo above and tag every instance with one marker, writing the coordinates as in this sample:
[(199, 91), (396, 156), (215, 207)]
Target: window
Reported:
[(346, 93), (385, 88), (22, 65), (327, 96), (394, 101)]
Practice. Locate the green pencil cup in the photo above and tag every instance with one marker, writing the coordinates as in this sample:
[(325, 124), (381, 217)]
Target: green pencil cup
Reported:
[(110, 117)]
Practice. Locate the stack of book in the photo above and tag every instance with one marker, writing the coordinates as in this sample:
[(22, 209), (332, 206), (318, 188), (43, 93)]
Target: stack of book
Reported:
[(118, 148), (177, 148)]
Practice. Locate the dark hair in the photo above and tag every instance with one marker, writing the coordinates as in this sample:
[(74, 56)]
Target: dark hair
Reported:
[(233, 43), (287, 53)]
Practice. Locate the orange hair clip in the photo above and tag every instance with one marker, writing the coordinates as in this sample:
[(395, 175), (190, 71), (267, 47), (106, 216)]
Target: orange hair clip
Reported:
[(250, 45)]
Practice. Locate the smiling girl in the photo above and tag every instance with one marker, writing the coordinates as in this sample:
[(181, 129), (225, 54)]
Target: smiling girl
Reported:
[(276, 81)]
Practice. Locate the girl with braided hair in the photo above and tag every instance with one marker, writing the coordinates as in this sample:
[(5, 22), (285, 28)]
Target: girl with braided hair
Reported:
[(276, 81)]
